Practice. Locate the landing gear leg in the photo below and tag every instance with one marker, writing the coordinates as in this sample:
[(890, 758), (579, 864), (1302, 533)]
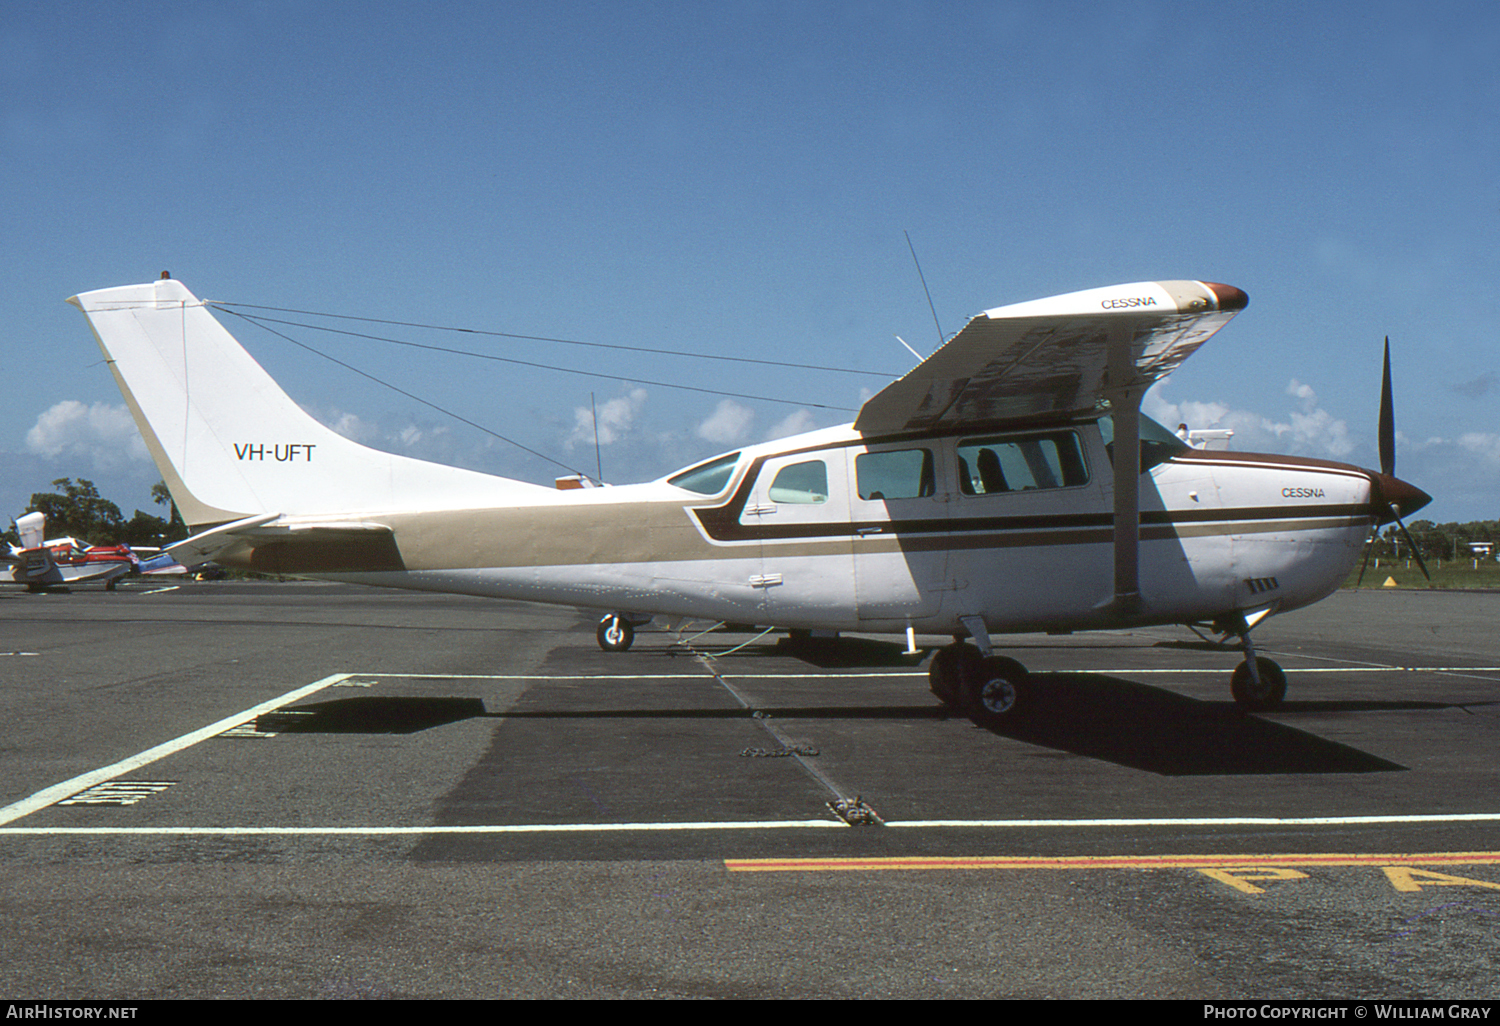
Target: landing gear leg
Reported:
[(616, 633), (1258, 683)]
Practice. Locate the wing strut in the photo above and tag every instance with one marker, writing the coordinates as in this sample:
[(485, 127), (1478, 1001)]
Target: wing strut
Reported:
[(1124, 389)]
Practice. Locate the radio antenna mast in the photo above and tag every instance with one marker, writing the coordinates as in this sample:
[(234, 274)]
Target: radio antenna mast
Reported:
[(925, 289), (598, 456)]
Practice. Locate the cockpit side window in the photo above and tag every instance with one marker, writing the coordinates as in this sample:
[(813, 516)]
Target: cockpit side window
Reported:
[(1157, 443), (1021, 463), (707, 478), (898, 474), (801, 483)]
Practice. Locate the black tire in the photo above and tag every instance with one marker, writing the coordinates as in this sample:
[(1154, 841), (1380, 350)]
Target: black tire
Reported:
[(947, 670), (995, 690), (1272, 687), (615, 633)]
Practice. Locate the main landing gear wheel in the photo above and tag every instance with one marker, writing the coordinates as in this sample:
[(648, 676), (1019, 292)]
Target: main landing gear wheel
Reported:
[(1267, 693), (995, 690), (946, 673), (615, 633)]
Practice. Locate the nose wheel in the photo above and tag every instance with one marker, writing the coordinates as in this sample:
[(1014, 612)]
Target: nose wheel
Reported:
[(615, 633), (1258, 686), (1258, 683)]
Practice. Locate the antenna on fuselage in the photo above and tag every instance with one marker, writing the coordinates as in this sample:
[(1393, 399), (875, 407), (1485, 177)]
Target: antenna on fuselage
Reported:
[(598, 455), (927, 292)]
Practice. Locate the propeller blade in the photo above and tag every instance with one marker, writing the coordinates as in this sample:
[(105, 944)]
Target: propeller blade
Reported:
[(1387, 418), (1407, 535), (1369, 548)]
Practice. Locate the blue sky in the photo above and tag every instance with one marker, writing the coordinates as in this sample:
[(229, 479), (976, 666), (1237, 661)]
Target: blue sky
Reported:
[(736, 180)]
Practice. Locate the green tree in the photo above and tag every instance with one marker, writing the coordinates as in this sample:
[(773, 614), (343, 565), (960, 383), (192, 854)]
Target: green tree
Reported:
[(80, 511), (162, 497)]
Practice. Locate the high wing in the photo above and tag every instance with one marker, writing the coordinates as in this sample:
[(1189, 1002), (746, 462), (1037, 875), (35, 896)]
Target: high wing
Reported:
[(1050, 358)]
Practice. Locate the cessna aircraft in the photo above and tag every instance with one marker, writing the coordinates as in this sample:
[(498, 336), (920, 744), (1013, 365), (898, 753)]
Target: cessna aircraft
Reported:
[(1008, 483), (40, 564)]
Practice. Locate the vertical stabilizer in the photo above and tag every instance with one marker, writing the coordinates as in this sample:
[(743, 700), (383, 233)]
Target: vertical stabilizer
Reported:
[(231, 444), (32, 528)]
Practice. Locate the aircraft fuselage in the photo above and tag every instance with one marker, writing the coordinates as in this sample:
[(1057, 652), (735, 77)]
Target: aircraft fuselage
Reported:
[(842, 532)]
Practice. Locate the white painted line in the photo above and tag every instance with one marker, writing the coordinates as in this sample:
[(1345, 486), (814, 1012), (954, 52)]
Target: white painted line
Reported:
[(407, 831), (1120, 670), (57, 792), (158, 591), (1460, 817), (1299, 670), (785, 824), (539, 676)]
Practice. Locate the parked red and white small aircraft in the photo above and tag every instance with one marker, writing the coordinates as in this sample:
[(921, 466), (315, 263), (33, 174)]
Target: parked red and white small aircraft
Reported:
[(40, 564), (1008, 483)]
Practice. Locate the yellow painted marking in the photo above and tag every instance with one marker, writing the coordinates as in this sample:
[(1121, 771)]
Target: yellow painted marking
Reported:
[(1201, 862), (1405, 878), (1239, 877)]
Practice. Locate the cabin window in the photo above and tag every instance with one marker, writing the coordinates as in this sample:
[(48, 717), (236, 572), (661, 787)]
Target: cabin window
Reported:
[(1021, 463), (900, 474), (708, 478), (801, 483)]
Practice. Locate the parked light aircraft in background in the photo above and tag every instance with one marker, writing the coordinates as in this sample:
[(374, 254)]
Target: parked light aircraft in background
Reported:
[(40, 564), (1008, 483)]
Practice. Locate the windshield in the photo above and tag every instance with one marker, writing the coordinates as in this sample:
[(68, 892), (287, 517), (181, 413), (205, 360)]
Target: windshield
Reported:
[(1157, 443), (707, 478)]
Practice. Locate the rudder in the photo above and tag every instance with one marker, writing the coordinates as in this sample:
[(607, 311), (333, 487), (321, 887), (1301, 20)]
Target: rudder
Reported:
[(230, 443)]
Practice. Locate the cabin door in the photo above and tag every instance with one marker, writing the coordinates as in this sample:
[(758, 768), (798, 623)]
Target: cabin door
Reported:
[(800, 510), (898, 501)]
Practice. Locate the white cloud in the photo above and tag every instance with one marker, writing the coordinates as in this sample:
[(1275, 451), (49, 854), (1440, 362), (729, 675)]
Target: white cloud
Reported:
[(1485, 445), (616, 417), (792, 424), (354, 428), (1308, 431), (727, 425), (104, 434)]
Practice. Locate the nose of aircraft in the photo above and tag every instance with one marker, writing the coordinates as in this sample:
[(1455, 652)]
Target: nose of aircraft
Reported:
[(1387, 491)]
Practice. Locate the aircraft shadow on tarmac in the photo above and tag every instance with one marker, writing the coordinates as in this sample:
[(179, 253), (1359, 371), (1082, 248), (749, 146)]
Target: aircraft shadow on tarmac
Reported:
[(1143, 727), (1090, 715), (1148, 728), (366, 714)]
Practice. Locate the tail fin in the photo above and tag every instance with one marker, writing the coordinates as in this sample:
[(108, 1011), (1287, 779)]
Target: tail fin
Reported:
[(231, 444), (32, 528)]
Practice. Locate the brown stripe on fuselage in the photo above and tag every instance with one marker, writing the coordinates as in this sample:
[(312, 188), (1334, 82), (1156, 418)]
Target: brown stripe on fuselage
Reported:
[(568, 533)]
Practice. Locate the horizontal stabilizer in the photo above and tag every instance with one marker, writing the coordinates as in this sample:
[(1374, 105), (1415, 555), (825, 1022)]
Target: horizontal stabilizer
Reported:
[(200, 548)]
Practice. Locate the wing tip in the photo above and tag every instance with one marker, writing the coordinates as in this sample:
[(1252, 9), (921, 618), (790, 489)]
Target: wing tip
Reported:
[(1228, 297)]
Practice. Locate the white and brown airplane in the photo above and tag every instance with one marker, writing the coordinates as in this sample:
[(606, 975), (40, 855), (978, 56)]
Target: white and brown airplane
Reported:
[(980, 494)]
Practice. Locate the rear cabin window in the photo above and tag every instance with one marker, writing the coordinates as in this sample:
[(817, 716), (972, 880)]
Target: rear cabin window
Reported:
[(1021, 463), (901, 474), (801, 483), (708, 478)]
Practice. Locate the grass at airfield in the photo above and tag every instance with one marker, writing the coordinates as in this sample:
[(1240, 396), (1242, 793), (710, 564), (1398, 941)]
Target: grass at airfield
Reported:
[(1455, 575)]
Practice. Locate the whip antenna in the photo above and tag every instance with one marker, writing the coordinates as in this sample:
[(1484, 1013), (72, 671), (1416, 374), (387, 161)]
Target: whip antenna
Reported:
[(598, 457), (925, 290)]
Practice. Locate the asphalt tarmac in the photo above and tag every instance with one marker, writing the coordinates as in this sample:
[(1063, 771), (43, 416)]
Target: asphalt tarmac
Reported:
[(245, 789)]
